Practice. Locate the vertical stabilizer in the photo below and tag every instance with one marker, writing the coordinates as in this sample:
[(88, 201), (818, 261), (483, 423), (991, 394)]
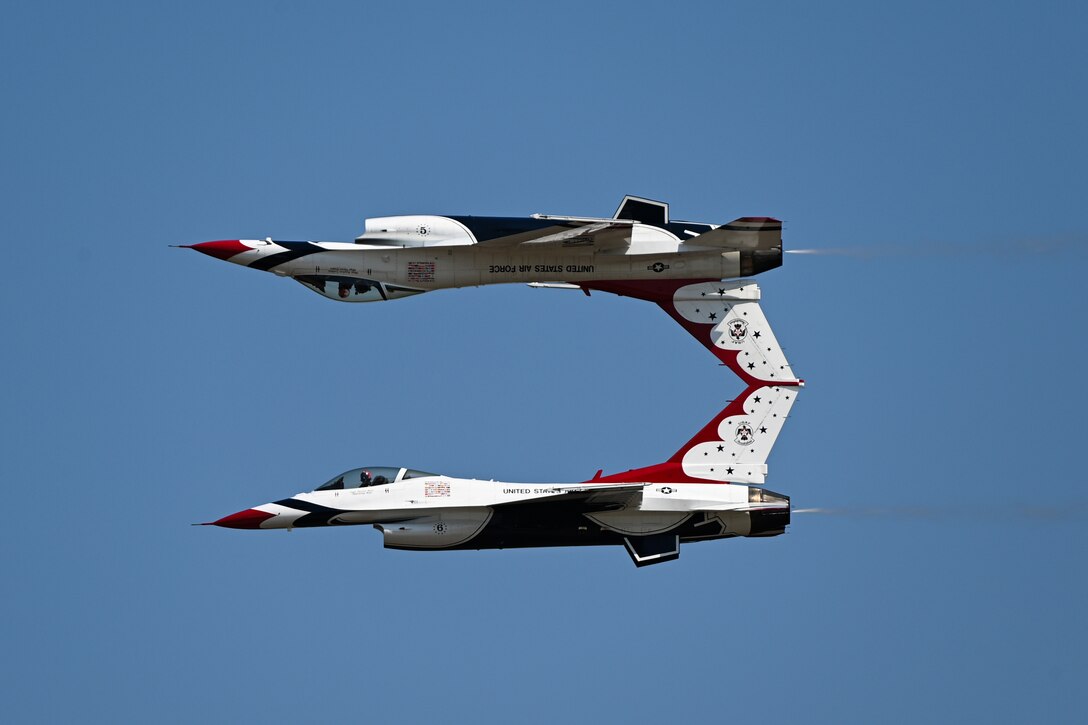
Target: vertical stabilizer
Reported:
[(727, 318)]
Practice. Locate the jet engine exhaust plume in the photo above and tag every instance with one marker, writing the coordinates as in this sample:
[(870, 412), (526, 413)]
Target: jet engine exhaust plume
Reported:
[(1046, 245), (1077, 511)]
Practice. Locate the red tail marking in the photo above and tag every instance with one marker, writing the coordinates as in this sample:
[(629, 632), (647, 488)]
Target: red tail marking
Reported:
[(661, 293)]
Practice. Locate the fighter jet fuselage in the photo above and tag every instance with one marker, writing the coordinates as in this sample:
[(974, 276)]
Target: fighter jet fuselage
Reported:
[(418, 510), (406, 255)]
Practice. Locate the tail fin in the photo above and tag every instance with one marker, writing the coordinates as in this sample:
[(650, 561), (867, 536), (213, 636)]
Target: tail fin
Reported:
[(734, 446), (748, 232), (727, 318)]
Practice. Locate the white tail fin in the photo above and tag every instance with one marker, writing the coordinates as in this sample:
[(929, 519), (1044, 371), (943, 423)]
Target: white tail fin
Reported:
[(736, 444), (727, 318), (737, 331)]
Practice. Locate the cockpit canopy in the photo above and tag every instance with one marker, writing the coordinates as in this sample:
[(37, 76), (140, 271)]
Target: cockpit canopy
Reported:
[(371, 476), (355, 289)]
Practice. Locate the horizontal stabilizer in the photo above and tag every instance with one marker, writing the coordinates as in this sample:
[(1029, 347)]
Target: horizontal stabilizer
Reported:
[(749, 232)]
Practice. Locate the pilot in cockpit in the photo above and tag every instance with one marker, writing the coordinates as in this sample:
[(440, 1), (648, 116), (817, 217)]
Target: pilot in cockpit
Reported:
[(364, 478)]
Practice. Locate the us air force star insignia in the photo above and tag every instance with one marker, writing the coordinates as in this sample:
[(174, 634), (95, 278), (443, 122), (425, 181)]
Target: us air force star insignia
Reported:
[(440, 527), (744, 435), (657, 267), (666, 489), (738, 330)]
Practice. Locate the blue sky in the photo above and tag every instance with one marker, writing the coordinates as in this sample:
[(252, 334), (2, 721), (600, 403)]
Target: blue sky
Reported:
[(148, 387)]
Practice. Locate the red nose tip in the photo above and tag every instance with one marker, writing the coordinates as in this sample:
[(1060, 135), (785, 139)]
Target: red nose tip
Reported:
[(223, 249), (248, 519)]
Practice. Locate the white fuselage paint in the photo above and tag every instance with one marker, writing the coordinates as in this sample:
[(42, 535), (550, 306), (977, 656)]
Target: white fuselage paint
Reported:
[(449, 267), (641, 507)]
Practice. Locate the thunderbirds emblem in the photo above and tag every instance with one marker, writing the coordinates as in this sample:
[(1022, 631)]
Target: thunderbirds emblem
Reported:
[(745, 435), (738, 330)]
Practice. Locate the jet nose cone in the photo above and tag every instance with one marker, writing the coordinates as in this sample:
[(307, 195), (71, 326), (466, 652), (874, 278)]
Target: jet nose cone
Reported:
[(248, 519), (223, 249)]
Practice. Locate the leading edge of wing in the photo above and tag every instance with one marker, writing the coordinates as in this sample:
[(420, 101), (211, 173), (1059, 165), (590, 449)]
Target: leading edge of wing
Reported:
[(568, 234), (590, 493)]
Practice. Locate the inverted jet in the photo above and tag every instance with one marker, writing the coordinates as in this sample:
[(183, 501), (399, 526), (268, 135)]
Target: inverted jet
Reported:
[(401, 256), (711, 488)]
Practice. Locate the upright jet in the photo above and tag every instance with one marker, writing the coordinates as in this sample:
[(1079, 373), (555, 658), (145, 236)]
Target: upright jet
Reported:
[(709, 489), (400, 256)]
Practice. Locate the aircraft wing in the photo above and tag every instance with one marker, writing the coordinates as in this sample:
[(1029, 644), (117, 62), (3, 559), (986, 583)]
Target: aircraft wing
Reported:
[(602, 235), (568, 233), (591, 497)]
